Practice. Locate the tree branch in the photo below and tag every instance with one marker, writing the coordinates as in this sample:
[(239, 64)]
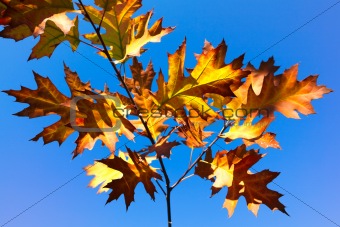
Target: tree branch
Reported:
[(119, 76), (160, 186), (225, 127)]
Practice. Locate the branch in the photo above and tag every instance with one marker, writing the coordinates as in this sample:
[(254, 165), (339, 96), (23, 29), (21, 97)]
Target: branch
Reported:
[(226, 125), (107, 54), (160, 186), (114, 66)]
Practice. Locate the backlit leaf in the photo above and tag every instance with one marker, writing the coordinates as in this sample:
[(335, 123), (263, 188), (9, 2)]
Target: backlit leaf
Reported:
[(135, 170), (231, 169), (211, 75), (283, 93), (94, 116), (52, 37), (21, 17)]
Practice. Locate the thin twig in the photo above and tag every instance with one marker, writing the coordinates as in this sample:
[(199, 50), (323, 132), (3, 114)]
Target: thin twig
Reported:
[(226, 125), (160, 186), (191, 152), (187, 177)]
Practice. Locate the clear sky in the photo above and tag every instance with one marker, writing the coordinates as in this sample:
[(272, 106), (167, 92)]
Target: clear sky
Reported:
[(308, 162)]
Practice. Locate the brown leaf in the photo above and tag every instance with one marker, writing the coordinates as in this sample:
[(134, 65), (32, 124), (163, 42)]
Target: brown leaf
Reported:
[(162, 146), (134, 170), (21, 18), (231, 169), (203, 168), (255, 78), (151, 114), (141, 79), (95, 116), (52, 37)]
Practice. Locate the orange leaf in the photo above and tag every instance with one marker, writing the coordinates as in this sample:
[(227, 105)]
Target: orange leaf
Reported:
[(231, 169), (283, 93), (95, 116), (264, 141)]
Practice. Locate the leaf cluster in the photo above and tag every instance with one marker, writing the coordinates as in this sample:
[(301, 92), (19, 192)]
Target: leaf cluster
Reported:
[(183, 101)]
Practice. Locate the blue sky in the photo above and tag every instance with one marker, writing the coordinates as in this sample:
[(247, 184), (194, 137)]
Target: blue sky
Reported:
[(308, 162)]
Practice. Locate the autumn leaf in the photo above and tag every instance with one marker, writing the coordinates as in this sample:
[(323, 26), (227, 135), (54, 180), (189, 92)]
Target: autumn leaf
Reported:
[(203, 168), (21, 18), (153, 117), (248, 130), (94, 116), (116, 23), (211, 75), (255, 78), (141, 79), (52, 37), (140, 35), (125, 35), (134, 170), (192, 130), (283, 93), (231, 169), (162, 147), (266, 140), (103, 174)]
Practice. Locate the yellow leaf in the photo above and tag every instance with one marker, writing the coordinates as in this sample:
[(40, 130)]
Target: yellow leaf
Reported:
[(248, 130), (211, 75)]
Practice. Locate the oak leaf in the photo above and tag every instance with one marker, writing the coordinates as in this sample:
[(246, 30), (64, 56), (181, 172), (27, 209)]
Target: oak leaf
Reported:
[(255, 78), (248, 130), (21, 18), (192, 129), (266, 140), (140, 35), (154, 118), (211, 75), (162, 147), (283, 93), (134, 170), (124, 35), (141, 79), (94, 116), (52, 37), (231, 169)]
